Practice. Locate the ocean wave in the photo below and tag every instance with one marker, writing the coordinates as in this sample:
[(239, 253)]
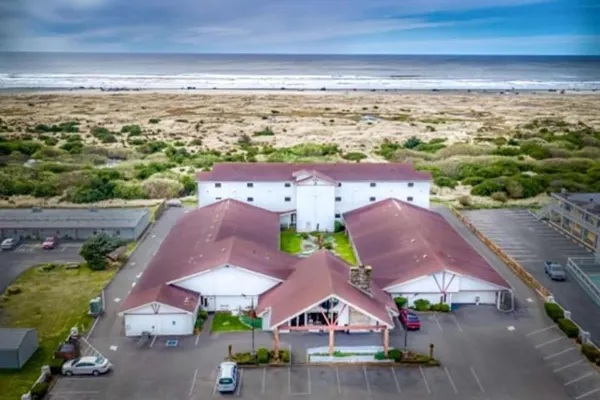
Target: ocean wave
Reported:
[(298, 82)]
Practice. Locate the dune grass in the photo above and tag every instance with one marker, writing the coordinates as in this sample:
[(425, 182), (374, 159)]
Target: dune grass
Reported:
[(53, 302)]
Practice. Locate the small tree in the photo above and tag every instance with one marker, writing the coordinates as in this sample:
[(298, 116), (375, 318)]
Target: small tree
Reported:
[(96, 248)]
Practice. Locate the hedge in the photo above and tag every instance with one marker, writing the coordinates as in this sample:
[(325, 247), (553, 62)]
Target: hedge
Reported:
[(401, 302), (591, 352), (262, 355), (568, 327), (422, 305), (554, 311)]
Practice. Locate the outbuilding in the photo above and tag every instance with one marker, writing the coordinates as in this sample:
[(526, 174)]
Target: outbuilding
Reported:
[(17, 346), (74, 224)]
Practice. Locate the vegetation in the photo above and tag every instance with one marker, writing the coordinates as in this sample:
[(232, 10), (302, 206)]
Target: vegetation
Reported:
[(263, 356), (554, 311), (65, 293), (343, 248), (224, 321), (97, 247), (291, 242)]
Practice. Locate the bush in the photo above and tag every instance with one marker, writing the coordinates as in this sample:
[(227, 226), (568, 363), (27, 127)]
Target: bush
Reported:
[(422, 305), (56, 366), (499, 196), (338, 227), (554, 311), (472, 180), (354, 156), (153, 120), (284, 356), (202, 313), (39, 390), (412, 142), (568, 327), (590, 352), (133, 130), (444, 181), (244, 358), (487, 188), (96, 248), (265, 132), (465, 201), (160, 188), (262, 355), (444, 307), (401, 302)]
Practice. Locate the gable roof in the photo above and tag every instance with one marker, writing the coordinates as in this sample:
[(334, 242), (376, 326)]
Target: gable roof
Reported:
[(279, 172), (402, 242), (316, 278), (226, 232), (11, 338)]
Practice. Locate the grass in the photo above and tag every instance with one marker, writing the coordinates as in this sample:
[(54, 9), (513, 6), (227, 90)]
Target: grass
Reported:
[(291, 242), (225, 322), (344, 248), (52, 302)]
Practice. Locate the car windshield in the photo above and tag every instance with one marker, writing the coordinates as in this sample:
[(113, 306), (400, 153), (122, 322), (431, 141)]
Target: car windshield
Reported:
[(49, 239), (412, 317), (556, 268), (225, 381), (99, 360)]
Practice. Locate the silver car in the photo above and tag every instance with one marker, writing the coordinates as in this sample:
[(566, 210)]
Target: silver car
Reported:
[(9, 243), (89, 365)]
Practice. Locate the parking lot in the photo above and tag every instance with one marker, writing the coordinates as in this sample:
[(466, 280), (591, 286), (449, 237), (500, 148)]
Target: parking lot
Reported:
[(531, 242), (37, 247)]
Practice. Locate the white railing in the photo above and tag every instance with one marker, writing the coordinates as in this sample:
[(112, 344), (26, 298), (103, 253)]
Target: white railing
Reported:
[(576, 267)]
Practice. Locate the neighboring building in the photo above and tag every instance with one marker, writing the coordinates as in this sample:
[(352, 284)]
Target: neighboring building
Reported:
[(225, 256), (577, 214), (16, 347), (75, 224), (311, 197)]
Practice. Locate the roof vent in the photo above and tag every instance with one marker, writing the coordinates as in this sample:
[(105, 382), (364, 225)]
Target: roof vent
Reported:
[(424, 255), (223, 249), (412, 240)]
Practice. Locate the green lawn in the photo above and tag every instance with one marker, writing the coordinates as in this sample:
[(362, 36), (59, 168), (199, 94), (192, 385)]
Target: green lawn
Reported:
[(225, 322), (52, 302), (291, 242), (344, 248)]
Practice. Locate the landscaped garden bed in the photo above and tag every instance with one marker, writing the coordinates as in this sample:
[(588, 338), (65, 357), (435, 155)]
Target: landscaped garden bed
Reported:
[(304, 244), (225, 321), (263, 356), (421, 305), (367, 354)]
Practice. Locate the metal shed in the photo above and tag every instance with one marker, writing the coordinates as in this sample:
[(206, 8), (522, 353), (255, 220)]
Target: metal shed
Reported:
[(17, 346), (74, 224)]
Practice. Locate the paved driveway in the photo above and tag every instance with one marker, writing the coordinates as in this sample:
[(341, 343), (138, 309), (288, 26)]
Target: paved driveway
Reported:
[(13, 263), (531, 242)]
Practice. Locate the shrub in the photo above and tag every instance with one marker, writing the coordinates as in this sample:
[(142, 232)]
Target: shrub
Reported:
[(422, 305), (465, 201), (444, 307), (262, 355), (590, 352), (56, 365), (284, 356), (499, 196), (354, 156), (196, 142), (395, 354), (338, 227), (387, 149), (554, 311), (473, 180), (434, 307), (13, 290), (507, 151), (401, 302), (444, 181), (153, 120), (412, 142), (132, 130), (487, 188), (463, 149), (244, 358), (265, 132), (202, 313), (39, 390), (161, 188), (568, 327)]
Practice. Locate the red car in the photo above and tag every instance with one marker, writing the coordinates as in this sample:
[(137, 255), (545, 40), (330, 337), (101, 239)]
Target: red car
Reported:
[(410, 320), (50, 243)]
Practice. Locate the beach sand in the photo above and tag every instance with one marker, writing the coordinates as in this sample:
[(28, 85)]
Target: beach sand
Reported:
[(220, 118)]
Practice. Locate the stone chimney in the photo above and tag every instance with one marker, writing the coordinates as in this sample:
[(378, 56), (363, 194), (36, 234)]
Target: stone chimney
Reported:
[(360, 276)]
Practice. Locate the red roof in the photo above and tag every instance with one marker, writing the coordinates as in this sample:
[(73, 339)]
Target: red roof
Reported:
[(317, 278), (227, 232), (402, 241), (257, 172)]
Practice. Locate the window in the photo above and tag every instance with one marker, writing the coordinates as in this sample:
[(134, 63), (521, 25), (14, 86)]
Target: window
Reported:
[(217, 198), (373, 184), (339, 184), (118, 232), (250, 184), (338, 215), (287, 184), (250, 199), (288, 199), (411, 184), (338, 199), (371, 198), (217, 185), (409, 198)]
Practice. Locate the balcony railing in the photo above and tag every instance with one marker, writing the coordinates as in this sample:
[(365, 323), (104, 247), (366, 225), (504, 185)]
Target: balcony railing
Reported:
[(580, 268)]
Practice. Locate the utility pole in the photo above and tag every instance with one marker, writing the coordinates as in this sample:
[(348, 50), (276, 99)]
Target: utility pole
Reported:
[(252, 317)]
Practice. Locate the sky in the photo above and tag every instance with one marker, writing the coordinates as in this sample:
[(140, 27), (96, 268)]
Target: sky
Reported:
[(520, 27)]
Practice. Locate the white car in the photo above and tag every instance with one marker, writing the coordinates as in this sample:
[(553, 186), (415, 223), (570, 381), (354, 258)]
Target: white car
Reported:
[(88, 365)]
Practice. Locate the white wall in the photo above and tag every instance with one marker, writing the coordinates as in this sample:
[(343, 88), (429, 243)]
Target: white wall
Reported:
[(358, 194), (268, 195), (159, 324), (470, 297), (162, 309), (315, 209), (467, 283), (228, 281)]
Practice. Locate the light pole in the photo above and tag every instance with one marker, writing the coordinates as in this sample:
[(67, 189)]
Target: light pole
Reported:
[(252, 317)]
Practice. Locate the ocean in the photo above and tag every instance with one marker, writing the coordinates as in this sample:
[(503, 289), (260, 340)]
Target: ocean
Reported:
[(297, 72)]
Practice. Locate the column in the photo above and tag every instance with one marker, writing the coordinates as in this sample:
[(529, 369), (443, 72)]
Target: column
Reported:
[(331, 340), (386, 341), (276, 344)]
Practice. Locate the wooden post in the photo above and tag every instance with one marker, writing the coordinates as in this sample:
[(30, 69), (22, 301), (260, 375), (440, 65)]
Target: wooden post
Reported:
[(331, 341), (276, 345), (386, 341)]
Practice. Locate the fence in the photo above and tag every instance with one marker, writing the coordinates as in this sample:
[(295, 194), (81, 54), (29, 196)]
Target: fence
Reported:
[(584, 336), (512, 264), (578, 267)]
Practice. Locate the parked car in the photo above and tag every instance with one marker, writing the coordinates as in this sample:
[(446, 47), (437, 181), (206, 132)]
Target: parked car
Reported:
[(10, 243), (228, 377), (50, 243), (174, 203), (555, 271), (89, 365), (410, 320)]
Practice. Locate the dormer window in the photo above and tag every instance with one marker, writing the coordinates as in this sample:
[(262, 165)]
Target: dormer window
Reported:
[(217, 185), (250, 184), (409, 198), (339, 184), (373, 184), (371, 199), (411, 184), (287, 184), (338, 199)]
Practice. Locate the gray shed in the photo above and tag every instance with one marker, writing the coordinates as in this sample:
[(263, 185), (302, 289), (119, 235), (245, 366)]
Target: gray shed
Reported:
[(17, 346)]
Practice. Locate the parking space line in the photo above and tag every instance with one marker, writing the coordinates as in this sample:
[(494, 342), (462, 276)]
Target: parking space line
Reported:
[(193, 382), (567, 366), (337, 376), (153, 340), (559, 353), (309, 382), (438, 323), (550, 342), (425, 380), (264, 379), (580, 378), (541, 330), (477, 380), (239, 386), (587, 394), (75, 392), (453, 318), (197, 339), (396, 380), (367, 380), (451, 381)]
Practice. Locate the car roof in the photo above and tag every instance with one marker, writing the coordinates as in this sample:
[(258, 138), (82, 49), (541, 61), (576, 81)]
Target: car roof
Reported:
[(88, 358), (227, 366)]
